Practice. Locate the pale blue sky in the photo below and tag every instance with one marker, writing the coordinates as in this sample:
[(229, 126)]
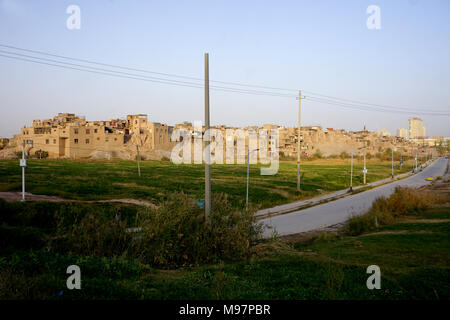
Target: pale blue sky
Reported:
[(320, 46)]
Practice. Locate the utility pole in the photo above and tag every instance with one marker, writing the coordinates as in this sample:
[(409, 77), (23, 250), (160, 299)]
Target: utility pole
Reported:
[(392, 163), (138, 160), (351, 174), (298, 138), (364, 170), (207, 142), (416, 161), (23, 164)]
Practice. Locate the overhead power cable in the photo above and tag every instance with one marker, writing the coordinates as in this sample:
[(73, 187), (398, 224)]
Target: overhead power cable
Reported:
[(319, 95), (367, 108), (197, 82), (144, 70), (120, 74)]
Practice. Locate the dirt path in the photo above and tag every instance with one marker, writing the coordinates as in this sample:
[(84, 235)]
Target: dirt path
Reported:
[(17, 196)]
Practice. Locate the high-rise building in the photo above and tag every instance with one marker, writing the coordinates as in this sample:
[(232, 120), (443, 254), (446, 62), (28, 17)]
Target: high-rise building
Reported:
[(416, 128), (383, 133), (402, 133)]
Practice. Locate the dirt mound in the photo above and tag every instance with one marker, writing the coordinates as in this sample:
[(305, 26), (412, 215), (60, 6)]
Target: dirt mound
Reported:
[(108, 155), (8, 153), (156, 154)]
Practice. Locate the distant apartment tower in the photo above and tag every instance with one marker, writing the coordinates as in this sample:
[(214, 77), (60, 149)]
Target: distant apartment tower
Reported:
[(383, 133), (416, 128), (402, 133)]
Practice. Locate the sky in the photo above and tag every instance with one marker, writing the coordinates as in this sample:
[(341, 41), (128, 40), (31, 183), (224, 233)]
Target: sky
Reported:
[(313, 45)]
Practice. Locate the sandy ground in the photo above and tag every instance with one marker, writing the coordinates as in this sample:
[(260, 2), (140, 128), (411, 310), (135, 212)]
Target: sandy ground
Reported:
[(17, 196)]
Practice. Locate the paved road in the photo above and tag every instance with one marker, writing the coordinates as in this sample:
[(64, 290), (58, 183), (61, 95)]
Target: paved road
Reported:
[(339, 211), (297, 205)]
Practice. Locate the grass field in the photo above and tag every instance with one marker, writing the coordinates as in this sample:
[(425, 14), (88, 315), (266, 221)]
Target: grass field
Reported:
[(119, 179), (413, 254)]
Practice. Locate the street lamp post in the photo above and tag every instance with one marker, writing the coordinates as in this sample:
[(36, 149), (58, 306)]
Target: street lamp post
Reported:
[(392, 173), (364, 170), (23, 164), (351, 174), (416, 162), (248, 174)]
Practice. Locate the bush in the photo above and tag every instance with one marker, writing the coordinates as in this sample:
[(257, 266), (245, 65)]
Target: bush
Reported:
[(318, 154), (40, 154), (344, 155), (177, 233), (385, 210), (174, 234), (93, 237)]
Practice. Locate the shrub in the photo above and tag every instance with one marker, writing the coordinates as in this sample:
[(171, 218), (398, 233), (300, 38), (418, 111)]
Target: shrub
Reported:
[(93, 237), (318, 154), (177, 233), (344, 155), (41, 154), (174, 234), (385, 210)]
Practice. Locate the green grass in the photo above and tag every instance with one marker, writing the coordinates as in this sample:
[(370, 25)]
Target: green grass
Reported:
[(96, 180), (414, 258)]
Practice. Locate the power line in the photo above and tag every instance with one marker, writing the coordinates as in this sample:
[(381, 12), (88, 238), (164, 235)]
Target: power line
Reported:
[(119, 74), (367, 103), (316, 97), (143, 70), (368, 108)]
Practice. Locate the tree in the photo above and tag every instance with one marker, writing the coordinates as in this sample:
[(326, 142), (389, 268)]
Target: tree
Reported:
[(41, 154)]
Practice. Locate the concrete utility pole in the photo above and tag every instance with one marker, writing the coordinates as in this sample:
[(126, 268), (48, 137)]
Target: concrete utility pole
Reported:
[(365, 169), (207, 141), (392, 163), (416, 161), (351, 174), (23, 164), (298, 138), (138, 160)]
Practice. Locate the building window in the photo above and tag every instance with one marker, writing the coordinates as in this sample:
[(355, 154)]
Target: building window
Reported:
[(47, 141), (98, 138), (87, 141), (75, 141), (115, 139), (54, 141), (95, 130), (76, 131), (88, 131)]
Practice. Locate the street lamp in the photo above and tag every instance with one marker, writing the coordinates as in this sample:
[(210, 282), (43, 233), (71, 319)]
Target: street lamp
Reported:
[(351, 173), (365, 169), (415, 170), (393, 162), (23, 164), (248, 174)]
